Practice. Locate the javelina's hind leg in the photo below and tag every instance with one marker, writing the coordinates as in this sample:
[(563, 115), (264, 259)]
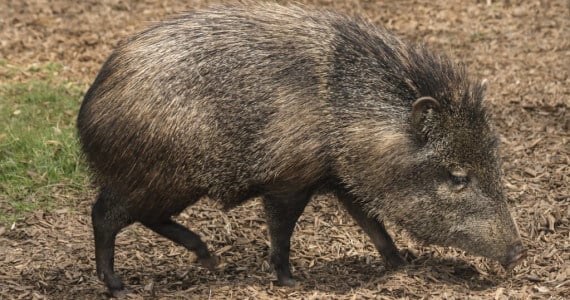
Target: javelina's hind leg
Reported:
[(375, 230), (282, 213), (108, 217), (185, 237)]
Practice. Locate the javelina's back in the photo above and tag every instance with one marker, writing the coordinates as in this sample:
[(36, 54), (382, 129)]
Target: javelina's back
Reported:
[(208, 101), (282, 102)]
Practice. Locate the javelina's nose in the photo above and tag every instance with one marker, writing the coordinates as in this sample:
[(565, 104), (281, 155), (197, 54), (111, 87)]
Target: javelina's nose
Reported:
[(516, 253)]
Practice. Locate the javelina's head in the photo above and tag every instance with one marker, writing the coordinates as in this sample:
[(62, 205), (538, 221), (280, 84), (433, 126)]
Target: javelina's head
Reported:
[(462, 203), (449, 191)]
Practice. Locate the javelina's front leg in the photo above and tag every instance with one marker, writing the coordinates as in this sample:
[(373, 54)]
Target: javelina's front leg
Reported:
[(375, 229), (282, 214)]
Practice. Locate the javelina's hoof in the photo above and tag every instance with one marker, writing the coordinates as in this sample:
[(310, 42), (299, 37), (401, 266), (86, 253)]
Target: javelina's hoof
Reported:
[(395, 261), (210, 262), (287, 281), (119, 293), (114, 285), (516, 254)]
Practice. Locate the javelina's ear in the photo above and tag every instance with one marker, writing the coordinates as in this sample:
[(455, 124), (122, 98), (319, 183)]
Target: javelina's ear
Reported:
[(423, 111), (421, 107)]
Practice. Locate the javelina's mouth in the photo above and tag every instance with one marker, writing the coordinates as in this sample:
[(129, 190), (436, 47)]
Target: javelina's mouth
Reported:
[(516, 255)]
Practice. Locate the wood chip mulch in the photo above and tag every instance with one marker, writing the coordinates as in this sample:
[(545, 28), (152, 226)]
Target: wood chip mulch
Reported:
[(521, 47)]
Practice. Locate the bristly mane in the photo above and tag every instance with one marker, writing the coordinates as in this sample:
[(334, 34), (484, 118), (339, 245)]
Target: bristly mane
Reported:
[(437, 76)]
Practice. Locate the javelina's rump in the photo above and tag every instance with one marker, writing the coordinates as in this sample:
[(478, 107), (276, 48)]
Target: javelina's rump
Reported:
[(284, 102)]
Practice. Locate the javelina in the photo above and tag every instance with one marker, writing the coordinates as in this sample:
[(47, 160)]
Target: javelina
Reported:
[(283, 103)]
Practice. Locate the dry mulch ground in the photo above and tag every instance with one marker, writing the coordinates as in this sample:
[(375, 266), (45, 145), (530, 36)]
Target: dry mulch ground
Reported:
[(521, 47)]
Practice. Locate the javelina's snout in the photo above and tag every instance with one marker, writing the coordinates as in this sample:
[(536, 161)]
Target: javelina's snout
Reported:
[(516, 254)]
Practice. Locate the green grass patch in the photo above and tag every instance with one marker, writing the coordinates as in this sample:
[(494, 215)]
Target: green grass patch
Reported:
[(39, 153)]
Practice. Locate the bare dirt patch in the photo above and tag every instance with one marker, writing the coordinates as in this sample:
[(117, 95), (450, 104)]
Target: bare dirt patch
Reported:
[(521, 47)]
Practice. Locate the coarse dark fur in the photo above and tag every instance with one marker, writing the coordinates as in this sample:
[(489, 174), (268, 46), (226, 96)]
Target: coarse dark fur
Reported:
[(284, 102)]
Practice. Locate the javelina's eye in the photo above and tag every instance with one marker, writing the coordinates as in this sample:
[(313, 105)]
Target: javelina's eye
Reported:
[(459, 178)]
